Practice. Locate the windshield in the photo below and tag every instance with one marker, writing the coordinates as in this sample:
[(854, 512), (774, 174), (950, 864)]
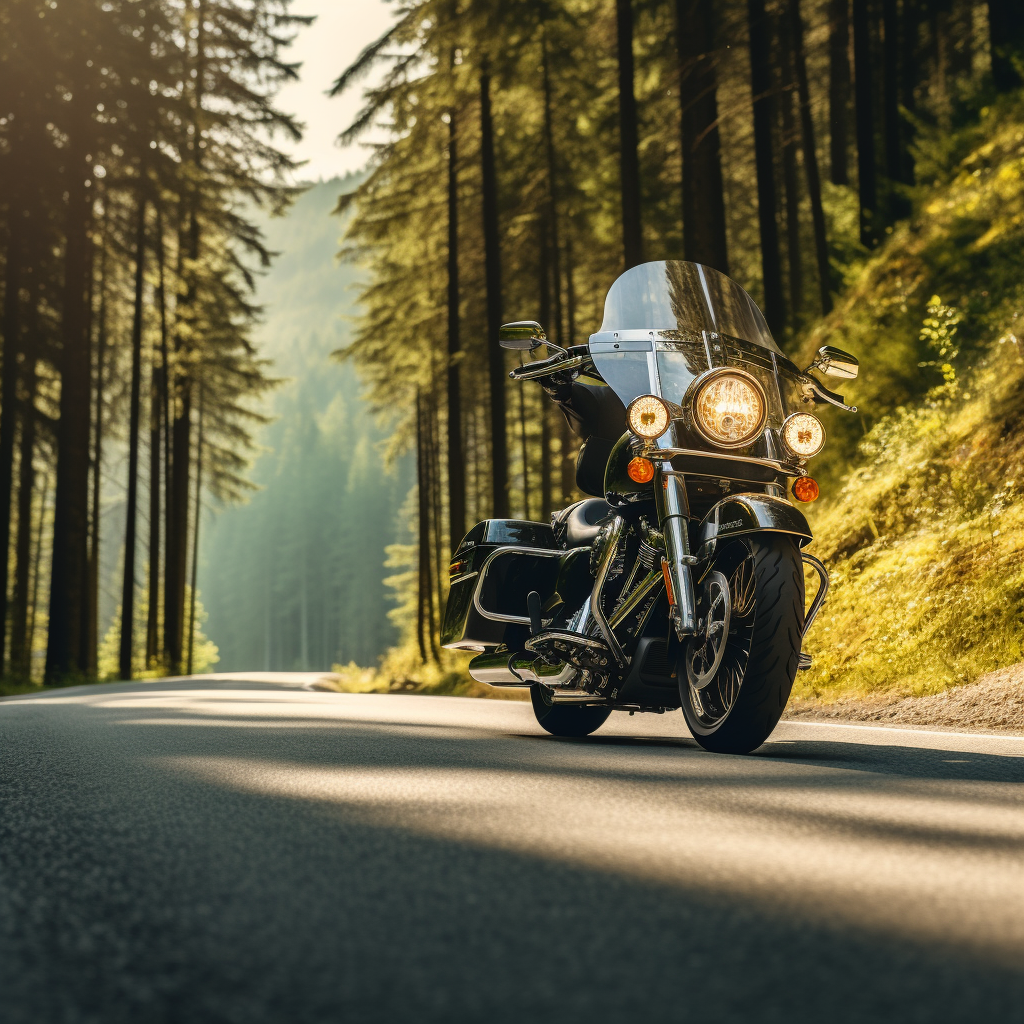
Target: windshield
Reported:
[(671, 295), (667, 322)]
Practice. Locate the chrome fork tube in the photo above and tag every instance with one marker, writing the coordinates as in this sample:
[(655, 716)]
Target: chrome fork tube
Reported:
[(674, 514), (596, 608)]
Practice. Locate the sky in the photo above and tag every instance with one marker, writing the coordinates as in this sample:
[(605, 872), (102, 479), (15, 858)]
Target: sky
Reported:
[(341, 30)]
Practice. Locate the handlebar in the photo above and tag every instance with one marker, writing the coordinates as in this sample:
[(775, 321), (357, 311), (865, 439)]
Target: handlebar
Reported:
[(557, 363)]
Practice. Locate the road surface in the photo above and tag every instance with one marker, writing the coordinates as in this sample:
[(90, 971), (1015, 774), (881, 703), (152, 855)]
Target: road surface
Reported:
[(254, 851)]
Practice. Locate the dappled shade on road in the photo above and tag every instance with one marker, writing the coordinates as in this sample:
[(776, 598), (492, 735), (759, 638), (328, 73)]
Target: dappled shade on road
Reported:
[(249, 852)]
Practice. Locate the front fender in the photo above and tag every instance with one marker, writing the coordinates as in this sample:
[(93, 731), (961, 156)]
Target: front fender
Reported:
[(740, 514)]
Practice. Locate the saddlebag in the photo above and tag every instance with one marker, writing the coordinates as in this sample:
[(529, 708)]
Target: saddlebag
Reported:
[(497, 564)]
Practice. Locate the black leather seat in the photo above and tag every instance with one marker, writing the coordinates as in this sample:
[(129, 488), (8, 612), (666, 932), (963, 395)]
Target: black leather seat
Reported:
[(583, 521)]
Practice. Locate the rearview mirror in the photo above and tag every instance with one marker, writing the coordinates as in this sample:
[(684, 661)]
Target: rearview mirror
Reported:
[(522, 336), (836, 363)]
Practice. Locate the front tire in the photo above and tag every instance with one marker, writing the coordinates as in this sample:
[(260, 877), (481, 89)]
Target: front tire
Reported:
[(565, 719), (735, 710)]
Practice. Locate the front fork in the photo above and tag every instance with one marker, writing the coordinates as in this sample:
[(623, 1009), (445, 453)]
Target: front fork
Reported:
[(673, 517)]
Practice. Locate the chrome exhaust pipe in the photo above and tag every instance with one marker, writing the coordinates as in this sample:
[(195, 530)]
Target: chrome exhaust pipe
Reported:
[(520, 669)]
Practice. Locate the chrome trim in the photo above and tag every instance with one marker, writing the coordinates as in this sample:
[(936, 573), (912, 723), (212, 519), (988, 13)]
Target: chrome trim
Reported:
[(819, 598), (822, 392), (505, 549), (675, 515), (707, 349), (641, 592), (638, 340), (607, 557), (532, 670), (462, 579), (656, 454)]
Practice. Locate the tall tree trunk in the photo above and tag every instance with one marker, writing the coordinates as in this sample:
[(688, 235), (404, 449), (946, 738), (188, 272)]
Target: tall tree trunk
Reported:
[(866, 174), (89, 612), (36, 561), (544, 287), (629, 140), (941, 101), (93, 559), (764, 117), (68, 577), (128, 583), (1006, 35), (704, 237), (171, 389), (525, 453), (810, 155), (839, 89), (180, 461), (157, 419), (790, 176), (551, 292), (554, 250), (176, 557), (891, 102), (21, 647), (910, 28), (195, 554), (456, 463), (567, 460), (423, 535), (961, 25), (492, 279), (8, 396), (436, 558)]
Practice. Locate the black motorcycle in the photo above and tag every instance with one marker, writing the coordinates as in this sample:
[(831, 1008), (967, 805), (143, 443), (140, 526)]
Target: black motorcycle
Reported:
[(680, 583)]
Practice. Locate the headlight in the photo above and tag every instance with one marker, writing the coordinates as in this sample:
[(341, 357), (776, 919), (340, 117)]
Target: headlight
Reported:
[(729, 408), (648, 417), (803, 434)]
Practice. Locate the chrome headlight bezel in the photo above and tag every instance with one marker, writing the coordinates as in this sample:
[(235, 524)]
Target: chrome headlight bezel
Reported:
[(789, 421), (704, 381), (648, 435)]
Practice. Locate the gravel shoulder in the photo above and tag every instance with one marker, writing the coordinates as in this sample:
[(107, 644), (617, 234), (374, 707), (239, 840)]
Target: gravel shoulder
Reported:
[(994, 703)]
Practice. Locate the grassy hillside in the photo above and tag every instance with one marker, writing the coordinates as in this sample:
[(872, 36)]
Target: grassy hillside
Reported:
[(922, 522)]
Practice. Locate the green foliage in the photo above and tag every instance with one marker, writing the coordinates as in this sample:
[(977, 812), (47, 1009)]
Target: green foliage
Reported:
[(204, 650), (924, 531)]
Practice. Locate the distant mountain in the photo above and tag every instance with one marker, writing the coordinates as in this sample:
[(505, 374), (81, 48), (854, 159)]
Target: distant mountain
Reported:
[(293, 579)]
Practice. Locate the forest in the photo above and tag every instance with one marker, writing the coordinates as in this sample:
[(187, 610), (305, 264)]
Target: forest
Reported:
[(327, 506), (137, 137), (836, 157), (855, 164)]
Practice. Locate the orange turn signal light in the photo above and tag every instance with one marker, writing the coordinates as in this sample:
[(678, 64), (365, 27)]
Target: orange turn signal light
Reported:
[(667, 576), (640, 471), (805, 489)]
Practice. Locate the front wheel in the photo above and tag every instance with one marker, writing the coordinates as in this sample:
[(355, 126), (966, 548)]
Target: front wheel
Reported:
[(565, 719), (736, 674)]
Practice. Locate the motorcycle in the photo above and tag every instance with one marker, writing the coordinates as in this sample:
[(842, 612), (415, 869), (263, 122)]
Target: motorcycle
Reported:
[(679, 582)]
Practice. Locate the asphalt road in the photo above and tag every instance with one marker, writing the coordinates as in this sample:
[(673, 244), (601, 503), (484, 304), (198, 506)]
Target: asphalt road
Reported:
[(256, 852)]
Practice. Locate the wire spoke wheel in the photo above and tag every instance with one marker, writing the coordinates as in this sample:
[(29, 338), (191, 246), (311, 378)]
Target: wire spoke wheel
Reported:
[(738, 670), (713, 695), (706, 649)]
